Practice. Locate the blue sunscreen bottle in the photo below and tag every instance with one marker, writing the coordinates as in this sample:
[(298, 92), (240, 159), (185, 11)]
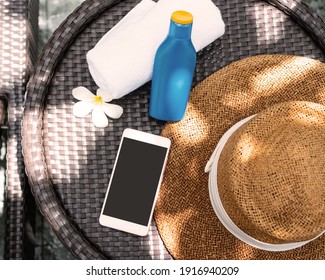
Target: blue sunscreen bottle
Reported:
[(173, 70)]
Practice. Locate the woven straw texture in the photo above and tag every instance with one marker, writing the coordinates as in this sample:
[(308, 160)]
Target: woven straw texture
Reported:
[(69, 161), (184, 214), (271, 175), (18, 50)]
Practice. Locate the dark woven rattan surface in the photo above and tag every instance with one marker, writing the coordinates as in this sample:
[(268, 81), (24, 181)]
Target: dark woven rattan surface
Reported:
[(18, 51), (69, 161)]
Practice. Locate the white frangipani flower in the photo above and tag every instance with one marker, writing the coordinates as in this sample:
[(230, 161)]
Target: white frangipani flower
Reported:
[(97, 104)]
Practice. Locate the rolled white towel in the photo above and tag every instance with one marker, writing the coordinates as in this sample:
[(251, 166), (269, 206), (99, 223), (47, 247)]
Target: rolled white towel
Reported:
[(122, 60)]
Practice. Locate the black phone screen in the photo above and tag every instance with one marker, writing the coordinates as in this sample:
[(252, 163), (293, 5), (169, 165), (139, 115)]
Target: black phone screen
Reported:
[(135, 181)]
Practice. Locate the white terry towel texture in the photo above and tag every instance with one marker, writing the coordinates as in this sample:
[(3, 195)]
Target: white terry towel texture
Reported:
[(122, 60)]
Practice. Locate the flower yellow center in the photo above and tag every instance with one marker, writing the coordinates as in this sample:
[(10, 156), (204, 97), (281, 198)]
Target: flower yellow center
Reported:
[(98, 99)]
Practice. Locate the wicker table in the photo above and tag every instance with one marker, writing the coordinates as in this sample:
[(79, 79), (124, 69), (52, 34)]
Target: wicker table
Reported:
[(69, 161)]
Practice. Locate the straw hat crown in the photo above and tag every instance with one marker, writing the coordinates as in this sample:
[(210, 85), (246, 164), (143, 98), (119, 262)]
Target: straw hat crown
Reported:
[(271, 176)]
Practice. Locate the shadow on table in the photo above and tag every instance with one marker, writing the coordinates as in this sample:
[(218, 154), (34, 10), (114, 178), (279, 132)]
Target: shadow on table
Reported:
[(71, 180)]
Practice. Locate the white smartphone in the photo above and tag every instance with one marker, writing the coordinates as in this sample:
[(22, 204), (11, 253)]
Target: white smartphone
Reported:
[(135, 181)]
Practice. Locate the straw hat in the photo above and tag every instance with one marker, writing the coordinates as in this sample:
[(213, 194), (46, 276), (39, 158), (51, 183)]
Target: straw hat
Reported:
[(266, 185)]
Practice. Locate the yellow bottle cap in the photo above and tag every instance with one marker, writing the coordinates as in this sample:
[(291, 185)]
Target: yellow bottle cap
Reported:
[(182, 17)]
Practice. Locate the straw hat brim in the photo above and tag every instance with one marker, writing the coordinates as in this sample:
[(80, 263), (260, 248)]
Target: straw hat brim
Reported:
[(184, 215)]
